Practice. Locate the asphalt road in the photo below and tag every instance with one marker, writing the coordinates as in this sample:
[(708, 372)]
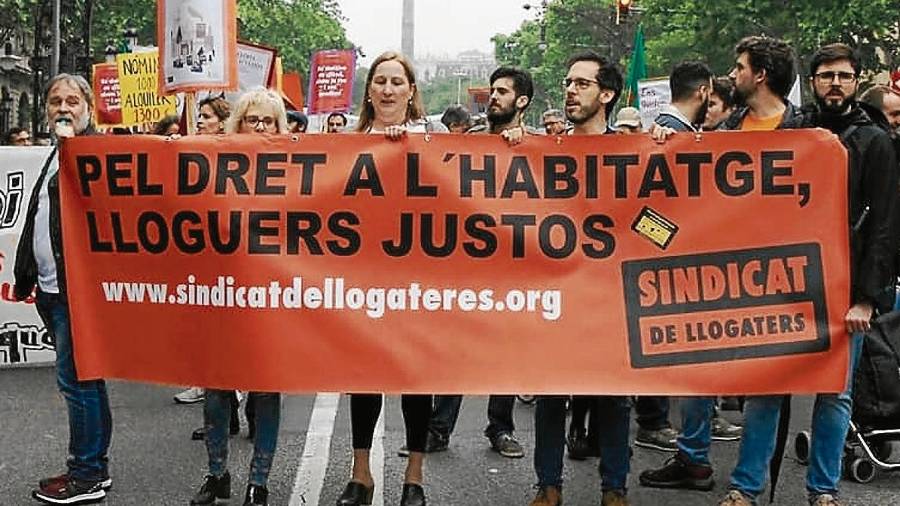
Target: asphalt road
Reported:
[(154, 462)]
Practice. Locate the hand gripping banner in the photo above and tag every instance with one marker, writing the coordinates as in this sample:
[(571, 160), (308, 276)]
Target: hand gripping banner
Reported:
[(611, 264)]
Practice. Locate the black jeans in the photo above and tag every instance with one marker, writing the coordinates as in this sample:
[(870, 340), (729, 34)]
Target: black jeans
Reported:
[(652, 412)]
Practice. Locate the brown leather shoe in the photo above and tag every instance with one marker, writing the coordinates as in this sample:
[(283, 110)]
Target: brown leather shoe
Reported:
[(548, 496), (614, 498), (735, 498)]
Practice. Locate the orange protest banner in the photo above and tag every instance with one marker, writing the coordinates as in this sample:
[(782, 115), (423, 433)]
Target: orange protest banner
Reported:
[(457, 264)]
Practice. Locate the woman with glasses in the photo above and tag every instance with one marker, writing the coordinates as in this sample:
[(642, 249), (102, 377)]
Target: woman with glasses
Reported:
[(256, 112), (391, 107)]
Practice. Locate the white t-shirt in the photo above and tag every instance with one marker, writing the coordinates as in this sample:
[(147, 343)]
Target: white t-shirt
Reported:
[(43, 247), (413, 127)]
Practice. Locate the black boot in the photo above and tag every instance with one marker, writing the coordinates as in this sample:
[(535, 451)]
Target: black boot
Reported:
[(256, 495), (356, 494), (213, 487), (413, 495)]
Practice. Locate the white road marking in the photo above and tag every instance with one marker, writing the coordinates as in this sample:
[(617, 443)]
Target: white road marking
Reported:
[(314, 462)]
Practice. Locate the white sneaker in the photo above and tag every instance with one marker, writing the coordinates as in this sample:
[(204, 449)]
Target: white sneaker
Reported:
[(191, 395)]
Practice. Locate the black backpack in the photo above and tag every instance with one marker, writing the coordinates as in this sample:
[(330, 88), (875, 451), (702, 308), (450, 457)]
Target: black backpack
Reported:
[(876, 386)]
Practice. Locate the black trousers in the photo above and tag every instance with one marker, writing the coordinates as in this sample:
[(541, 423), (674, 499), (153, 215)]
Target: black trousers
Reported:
[(364, 412)]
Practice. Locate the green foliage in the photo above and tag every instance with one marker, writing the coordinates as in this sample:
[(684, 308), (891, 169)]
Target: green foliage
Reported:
[(677, 30), (569, 26), (297, 28), (682, 29)]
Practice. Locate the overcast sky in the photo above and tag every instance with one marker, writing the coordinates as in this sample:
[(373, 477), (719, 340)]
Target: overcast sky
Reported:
[(443, 27)]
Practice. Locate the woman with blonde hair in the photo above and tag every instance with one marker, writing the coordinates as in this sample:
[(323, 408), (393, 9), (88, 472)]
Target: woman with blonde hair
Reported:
[(257, 111), (392, 107)]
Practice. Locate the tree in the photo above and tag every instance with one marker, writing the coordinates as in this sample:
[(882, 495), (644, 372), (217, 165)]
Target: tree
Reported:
[(677, 30), (565, 27), (297, 28)]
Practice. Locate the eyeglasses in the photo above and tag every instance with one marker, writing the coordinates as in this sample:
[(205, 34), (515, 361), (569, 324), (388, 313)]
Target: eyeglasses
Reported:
[(843, 77), (253, 121), (581, 84)]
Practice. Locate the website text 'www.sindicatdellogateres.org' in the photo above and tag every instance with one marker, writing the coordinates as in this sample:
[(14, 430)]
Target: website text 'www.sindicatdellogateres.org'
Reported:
[(335, 294)]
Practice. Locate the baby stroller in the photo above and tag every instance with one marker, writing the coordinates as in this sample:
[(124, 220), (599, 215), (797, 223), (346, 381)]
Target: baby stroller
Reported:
[(875, 422)]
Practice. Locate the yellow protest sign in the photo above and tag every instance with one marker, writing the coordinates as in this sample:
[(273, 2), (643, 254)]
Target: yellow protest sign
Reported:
[(142, 105)]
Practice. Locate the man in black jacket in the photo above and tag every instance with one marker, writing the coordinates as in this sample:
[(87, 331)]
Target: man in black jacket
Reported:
[(872, 180), (39, 262)]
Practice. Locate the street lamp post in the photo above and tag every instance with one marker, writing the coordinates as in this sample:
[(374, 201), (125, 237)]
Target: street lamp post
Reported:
[(131, 39), (459, 76), (111, 51)]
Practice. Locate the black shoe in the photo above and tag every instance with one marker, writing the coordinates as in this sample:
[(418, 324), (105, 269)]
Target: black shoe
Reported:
[(213, 487), (436, 443), (72, 491), (577, 445), (256, 495), (198, 434), (679, 472), (60, 480), (356, 494), (413, 495)]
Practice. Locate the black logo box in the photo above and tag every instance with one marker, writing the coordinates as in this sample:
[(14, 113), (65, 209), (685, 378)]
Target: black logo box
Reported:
[(815, 293)]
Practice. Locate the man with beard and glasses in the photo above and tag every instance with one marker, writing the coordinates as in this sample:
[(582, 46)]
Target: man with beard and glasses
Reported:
[(40, 264), (872, 173), (592, 86), (511, 93)]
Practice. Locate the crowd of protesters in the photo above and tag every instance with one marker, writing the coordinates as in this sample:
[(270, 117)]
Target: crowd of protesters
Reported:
[(752, 96)]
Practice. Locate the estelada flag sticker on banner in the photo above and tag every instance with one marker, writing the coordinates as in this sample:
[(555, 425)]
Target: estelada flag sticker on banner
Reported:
[(414, 264)]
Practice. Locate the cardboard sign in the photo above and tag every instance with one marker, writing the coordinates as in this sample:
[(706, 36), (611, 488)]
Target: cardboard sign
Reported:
[(107, 95), (654, 96), (142, 105), (331, 81), (352, 263)]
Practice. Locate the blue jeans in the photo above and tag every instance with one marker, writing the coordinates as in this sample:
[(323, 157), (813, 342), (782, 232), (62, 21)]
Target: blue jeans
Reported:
[(90, 421), (830, 421), (217, 416), (696, 428), (614, 415)]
